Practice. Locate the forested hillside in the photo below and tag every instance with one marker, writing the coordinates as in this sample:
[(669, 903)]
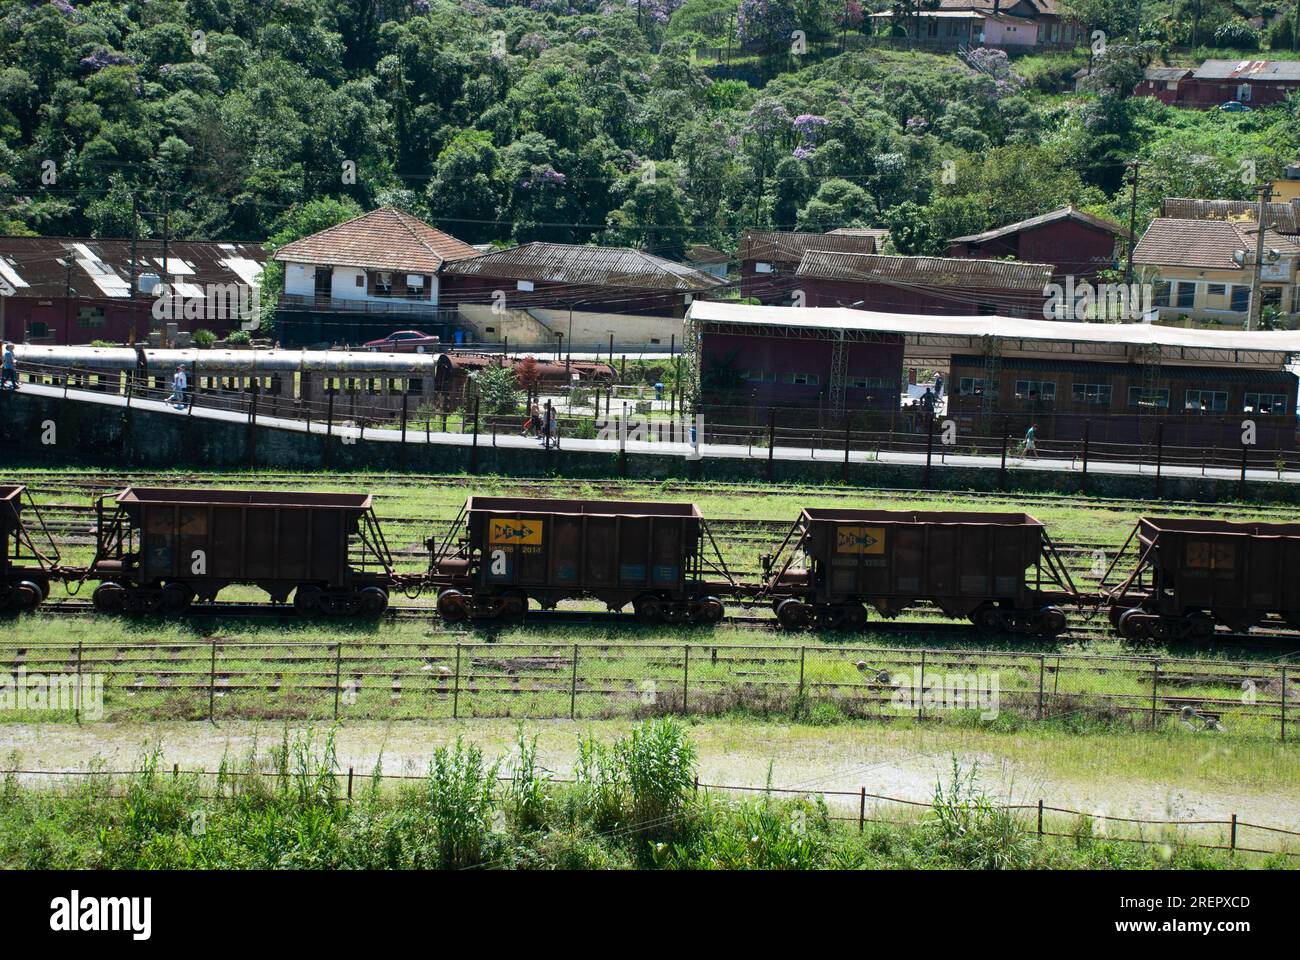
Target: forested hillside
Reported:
[(574, 121)]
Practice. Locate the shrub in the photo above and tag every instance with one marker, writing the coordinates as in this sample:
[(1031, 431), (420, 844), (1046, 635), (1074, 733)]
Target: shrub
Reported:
[(239, 338), (1236, 35), (459, 796), (204, 339), (496, 389)]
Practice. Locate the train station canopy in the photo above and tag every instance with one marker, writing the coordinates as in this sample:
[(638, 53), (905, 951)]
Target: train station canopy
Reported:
[(927, 335)]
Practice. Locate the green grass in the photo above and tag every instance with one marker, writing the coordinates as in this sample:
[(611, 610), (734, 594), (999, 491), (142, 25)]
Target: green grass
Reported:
[(632, 803)]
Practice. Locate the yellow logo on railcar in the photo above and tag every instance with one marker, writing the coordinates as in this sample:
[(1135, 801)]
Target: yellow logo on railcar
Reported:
[(870, 540), (513, 532)]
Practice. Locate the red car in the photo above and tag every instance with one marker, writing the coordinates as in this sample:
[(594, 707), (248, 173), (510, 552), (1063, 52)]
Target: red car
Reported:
[(405, 341)]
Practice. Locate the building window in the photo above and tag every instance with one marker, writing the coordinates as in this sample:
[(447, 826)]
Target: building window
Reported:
[(762, 268), (1137, 397), (90, 317), (1162, 294), (802, 379), (1274, 403), (1206, 401), (758, 376), (383, 284), (1217, 289), (1044, 390), (415, 286), (415, 385), (37, 329), (1186, 294), (970, 387), (1098, 393), (360, 279), (1241, 298), (988, 309), (869, 383)]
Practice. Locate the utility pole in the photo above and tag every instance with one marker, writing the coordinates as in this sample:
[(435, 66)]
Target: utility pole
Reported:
[(135, 236), (1252, 318), (1133, 166)]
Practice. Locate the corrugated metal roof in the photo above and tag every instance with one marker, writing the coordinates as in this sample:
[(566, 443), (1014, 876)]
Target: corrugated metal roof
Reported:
[(1204, 244), (1282, 217), (1166, 73), (1056, 216), (959, 272), (585, 265), (39, 266), (1186, 371), (783, 246), (1255, 71), (1137, 334), (383, 239), (262, 361)]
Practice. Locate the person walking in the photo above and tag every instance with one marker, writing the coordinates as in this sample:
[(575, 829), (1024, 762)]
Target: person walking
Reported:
[(179, 384), (9, 373), (549, 427), (938, 386), (533, 423), (1031, 441)]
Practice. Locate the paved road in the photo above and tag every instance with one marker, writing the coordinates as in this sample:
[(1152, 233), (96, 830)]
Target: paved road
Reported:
[(708, 451)]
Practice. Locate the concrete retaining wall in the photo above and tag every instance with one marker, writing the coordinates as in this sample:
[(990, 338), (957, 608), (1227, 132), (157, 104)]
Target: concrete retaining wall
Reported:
[(102, 435)]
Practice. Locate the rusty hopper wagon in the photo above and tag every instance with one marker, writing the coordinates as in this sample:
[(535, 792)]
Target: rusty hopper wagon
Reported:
[(1192, 573), (1000, 570), (516, 549), (24, 568), (159, 549)]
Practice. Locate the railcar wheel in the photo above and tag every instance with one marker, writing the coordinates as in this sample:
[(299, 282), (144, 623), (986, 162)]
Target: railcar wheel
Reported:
[(453, 606), (855, 617), (374, 601), (514, 605), (1133, 624), (648, 609), (1052, 621), (707, 610), (795, 614), (306, 600), (988, 619), (1198, 627), (109, 598), (175, 598)]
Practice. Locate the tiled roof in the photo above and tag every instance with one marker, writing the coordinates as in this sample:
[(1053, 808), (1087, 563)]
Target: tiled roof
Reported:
[(39, 266), (1203, 244), (1282, 217), (383, 239), (1166, 73), (1065, 213), (936, 271), (782, 246), (585, 265)]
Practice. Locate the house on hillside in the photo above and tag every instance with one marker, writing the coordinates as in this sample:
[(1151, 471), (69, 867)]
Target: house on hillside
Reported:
[(67, 290), (769, 258), (1163, 83), (928, 285), (1005, 24), (574, 293), (1203, 268), (707, 260), (1075, 243), (1282, 217), (366, 277), (1256, 83)]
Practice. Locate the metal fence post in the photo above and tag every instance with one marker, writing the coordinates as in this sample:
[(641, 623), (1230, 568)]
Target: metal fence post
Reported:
[(771, 440), (77, 699), (212, 683), (686, 673), (844, 474), (1241, 484), (1284, 696), (920, 685), (1040, 816), (1087, 436), (929, 446), (1006, 438), (1155, 688), (573, 685), (1232, 837), (1160, 455), (329, 422), (338, 676), (862, 809), (473, 452), (802, 652), (455, 694), (1042, 673)]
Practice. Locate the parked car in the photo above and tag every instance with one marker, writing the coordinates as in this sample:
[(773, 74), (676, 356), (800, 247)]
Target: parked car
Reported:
[(1234, 106), (405, 341)]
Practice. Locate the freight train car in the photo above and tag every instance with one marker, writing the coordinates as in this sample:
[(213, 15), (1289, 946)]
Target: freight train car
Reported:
[(516, 549), (1000, 570), (1191, 574), (25, 568), (157, 550)]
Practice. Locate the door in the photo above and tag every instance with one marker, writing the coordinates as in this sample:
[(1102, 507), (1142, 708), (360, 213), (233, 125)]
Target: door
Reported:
[(324, 284)]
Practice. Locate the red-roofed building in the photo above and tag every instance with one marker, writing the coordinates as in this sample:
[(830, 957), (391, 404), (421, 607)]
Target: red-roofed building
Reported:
[(1073, 242)]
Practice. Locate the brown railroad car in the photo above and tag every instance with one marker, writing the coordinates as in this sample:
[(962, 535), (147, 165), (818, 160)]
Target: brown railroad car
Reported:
[(1000, 570), (1194, 573), (159, 549), (24, 568), (516, 549)]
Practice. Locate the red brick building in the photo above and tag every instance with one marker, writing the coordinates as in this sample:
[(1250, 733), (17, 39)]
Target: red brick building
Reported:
[(1073, 242), (64, 290), (1256, 83), (769, 258), (928, 285)]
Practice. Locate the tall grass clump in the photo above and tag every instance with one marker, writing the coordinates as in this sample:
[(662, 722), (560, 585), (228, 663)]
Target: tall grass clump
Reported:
[(967, 829), (460, 796)]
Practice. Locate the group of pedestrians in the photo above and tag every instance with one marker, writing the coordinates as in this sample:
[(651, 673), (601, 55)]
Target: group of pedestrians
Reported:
[(543, 425)]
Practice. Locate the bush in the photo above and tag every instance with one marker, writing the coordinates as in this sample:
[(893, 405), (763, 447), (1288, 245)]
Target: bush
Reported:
[(204, 339), (1236, 35), (239, 338), (496, 389)]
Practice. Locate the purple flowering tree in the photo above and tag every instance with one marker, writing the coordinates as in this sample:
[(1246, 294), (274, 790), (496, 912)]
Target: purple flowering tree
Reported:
[(766, 25)]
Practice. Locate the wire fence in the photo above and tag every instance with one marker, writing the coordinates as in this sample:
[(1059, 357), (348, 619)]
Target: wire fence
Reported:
[(1235, 835), (227, 680), (365, 406)]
